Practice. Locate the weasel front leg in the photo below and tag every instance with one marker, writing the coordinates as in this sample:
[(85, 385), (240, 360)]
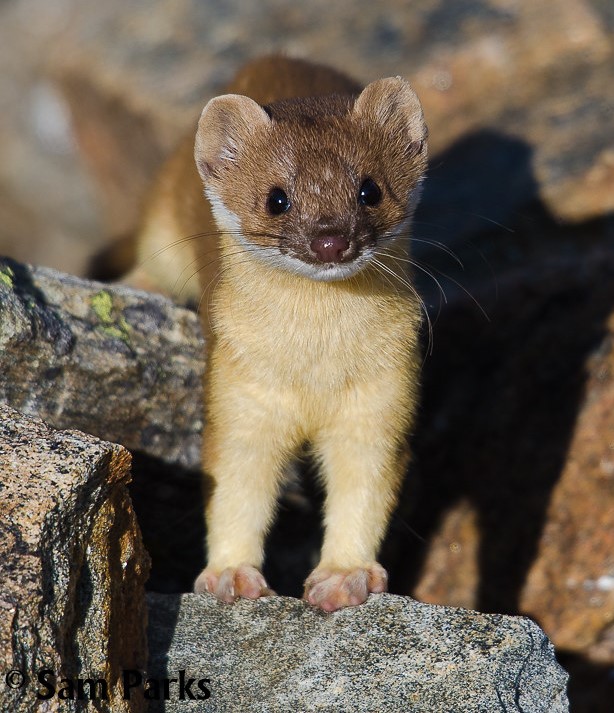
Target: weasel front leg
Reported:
[(246, 448), (363, 464)]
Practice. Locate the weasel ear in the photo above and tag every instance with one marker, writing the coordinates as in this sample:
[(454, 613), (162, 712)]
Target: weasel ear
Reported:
[(393, 104), (225, 123)]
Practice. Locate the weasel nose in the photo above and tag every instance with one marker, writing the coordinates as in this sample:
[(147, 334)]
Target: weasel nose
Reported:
[(330, 248)]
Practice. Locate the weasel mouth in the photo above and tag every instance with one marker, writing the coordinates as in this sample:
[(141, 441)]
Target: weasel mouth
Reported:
[(327, 271), (333, 271)]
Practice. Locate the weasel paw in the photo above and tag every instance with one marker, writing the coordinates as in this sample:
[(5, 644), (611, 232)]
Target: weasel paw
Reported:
[(233, 582), (332, 589)]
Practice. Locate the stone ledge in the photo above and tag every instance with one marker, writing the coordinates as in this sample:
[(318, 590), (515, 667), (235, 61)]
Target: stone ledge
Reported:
[(391, 654)]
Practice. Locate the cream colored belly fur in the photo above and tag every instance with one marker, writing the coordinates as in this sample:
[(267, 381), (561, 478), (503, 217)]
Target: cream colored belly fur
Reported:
[(330, 363)]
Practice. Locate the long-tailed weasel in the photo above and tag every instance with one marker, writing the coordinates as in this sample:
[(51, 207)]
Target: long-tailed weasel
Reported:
[(301, 240)]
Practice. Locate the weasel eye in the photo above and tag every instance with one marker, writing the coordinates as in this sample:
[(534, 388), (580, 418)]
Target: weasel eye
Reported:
[(369, 193), (277, 202)]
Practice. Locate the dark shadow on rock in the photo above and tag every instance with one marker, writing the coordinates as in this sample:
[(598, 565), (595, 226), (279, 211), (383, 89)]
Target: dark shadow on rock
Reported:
[(499, 404), (482, 181), (500, 392), (169, 505), (293, 545), (501, 395), (480, 217), (591, 685), (163, 614), (46, 324)]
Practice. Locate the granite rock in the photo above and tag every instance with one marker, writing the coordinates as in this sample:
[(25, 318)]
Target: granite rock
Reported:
[(119, 364), (391, 654), (72, 564)]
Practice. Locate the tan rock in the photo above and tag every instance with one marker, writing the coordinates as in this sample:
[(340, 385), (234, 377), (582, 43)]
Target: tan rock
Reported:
[(72, 565), (135, 78), (48, 211), (570, 587), (518, 68)]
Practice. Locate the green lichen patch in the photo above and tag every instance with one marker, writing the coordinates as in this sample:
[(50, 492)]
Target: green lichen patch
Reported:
[(7, 276), (111, 323), (102, 304)]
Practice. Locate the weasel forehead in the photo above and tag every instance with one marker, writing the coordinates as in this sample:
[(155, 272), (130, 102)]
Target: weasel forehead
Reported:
[(321, 188), (327, 174), (319, 170), (326, 148)]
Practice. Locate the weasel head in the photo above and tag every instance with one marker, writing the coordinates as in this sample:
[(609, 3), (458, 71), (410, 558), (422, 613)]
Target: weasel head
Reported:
[(315, 186)]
